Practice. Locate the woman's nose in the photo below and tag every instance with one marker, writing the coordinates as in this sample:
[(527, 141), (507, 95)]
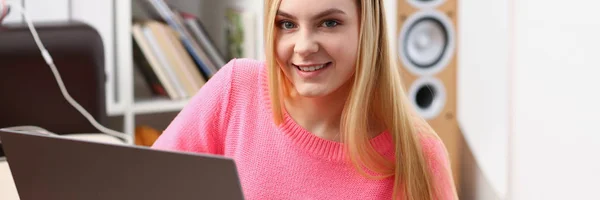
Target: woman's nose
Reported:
[(305, 44)]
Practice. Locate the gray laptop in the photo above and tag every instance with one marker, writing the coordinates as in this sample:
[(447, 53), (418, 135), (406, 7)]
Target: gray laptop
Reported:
[(55, 168)]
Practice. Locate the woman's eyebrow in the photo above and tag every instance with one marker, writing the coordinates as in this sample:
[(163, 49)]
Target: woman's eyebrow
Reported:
[(284, 14), (320, 15)]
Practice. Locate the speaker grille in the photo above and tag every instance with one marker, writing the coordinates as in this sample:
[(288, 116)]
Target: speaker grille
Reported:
[(426, 42)]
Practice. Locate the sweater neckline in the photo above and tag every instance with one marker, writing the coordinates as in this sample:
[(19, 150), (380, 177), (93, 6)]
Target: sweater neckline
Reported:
[(327, 149)]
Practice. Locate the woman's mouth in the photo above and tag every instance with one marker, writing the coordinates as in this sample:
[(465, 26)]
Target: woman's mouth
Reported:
[(312, 68)]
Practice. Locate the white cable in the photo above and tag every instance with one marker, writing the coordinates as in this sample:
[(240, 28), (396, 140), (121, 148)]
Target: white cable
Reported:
[(68, 97), (34, 129)]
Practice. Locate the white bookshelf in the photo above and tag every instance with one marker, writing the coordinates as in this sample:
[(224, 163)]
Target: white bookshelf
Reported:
[(212, 15)]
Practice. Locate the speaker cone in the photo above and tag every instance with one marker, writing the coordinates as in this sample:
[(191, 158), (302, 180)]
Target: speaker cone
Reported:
[(428, 96), (426, 42)]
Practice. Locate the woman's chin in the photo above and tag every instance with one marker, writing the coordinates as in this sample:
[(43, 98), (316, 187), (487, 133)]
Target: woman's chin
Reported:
[(316, 90), (311, 92)]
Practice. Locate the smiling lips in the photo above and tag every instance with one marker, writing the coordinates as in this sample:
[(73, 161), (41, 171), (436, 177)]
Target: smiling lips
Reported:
[(311, 68)]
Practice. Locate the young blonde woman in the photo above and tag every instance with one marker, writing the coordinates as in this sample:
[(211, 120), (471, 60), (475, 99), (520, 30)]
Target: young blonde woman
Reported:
[(323, 118)]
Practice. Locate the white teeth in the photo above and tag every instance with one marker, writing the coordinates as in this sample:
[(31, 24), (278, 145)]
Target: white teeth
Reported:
[(311, 69)]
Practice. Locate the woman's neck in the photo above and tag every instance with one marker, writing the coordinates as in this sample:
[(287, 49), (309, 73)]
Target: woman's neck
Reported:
[(319, 115)]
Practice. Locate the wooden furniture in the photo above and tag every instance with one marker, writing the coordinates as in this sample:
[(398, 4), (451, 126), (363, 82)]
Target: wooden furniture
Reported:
[(426, 43)]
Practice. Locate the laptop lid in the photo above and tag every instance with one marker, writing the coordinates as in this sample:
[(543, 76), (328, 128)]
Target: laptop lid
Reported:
[(56, 168)]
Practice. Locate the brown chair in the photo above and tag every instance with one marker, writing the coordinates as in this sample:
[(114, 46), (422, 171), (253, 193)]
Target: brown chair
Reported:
[(30, 94)]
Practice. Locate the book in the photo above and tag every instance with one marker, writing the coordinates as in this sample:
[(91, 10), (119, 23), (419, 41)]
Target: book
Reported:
[(157, 75), (169, 45), (145, 69), (204, 63), (192, 73), (199, 33), (163, 62)]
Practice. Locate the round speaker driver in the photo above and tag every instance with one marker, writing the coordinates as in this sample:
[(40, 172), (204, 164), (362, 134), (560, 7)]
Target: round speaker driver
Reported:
[(428, 96), (426, 42)]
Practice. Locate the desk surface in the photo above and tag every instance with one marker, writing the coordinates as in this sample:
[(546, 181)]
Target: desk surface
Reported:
[(8, 191)]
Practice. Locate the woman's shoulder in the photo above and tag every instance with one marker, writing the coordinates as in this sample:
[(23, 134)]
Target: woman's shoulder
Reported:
[(433, 148), (425, 133), (437, 159), (244, 68), (239, 81), (431, 144), (247, 62), (238, 73), (245, 74)]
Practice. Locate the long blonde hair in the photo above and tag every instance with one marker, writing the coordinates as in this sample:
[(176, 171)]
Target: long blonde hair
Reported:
[(377, 77)]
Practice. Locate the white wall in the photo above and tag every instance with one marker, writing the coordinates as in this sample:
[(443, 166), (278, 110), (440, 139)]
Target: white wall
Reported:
[(528, 77), (556, 151), (483, 97), (39, 10), (46, 10)]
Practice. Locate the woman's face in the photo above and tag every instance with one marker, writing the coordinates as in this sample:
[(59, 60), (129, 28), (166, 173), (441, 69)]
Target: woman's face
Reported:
[(317, 44)]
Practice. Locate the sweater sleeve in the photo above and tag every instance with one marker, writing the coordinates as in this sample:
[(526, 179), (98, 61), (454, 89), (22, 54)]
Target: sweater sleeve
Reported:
[(438, 163), (201, 125)]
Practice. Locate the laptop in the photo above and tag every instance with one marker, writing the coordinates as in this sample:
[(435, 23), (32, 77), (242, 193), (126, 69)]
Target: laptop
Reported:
[(57, 168)]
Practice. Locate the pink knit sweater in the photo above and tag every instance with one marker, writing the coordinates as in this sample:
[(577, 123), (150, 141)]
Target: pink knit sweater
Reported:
[(231, 116)]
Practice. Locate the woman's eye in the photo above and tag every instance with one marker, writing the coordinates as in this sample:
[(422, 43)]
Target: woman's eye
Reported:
[(287, 25), (330, 23)]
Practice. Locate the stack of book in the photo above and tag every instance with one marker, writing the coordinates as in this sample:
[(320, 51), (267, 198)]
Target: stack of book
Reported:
[(173, 51)]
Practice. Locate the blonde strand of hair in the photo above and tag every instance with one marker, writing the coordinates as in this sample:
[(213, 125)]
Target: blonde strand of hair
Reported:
[(274, 73)]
